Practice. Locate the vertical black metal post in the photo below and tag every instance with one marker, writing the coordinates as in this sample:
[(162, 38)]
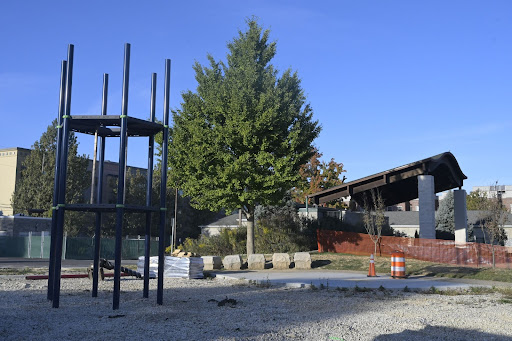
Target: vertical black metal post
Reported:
[(99, 193), (163, 184), (62, 180), (121, 178), (149, 186), (62, 94)]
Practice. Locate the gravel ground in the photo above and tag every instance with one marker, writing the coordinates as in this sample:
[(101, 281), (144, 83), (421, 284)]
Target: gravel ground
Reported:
[(194, 310)]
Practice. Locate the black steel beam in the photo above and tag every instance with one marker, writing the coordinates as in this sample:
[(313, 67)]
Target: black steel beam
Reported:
[(53, 233), (163, 184), (62, 179), (99, 193), (109, 125), (149, 186), (121, 178)]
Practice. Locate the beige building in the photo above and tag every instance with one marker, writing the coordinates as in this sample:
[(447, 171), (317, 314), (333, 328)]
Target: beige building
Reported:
[(503, 192), (10, 169)]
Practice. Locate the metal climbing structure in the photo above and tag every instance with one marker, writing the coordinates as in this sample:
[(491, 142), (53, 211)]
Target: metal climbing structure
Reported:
[(114, 126)]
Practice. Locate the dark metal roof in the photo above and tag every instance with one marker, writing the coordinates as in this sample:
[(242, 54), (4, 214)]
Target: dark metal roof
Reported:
[(110, 125), (399, 184)]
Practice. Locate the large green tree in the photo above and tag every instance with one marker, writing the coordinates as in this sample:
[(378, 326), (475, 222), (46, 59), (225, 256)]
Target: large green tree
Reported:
[(476, 200), (34, 190), (445, 216), (239, 140)]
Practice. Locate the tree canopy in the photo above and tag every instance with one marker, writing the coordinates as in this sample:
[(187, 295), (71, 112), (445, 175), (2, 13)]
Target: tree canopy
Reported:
[(316, 176), (476, 200), (445, 216), (240, 139), (34, 190)]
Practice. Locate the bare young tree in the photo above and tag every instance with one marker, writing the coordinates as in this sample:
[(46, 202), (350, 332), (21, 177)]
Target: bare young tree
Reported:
[(374, 218), (492, 219)]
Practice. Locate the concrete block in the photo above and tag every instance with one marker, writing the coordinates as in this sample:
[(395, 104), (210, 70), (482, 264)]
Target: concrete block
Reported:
[(281, 261), (460, 216), (212, 262), (427, 204), (302, 260), (232, 262), (256, 262)]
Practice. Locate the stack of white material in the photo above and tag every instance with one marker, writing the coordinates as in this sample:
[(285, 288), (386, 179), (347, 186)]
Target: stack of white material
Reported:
[(153, 266), (174, 267)]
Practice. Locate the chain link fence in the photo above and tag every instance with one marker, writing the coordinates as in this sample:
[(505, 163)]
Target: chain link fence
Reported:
[(38, 246)]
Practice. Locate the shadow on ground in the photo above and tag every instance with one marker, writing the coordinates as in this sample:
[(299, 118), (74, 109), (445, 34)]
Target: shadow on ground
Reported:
[(319, 263), (442, 334), (450, 271)]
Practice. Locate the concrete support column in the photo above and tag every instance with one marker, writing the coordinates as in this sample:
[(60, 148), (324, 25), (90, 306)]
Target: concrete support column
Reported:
[(427, 203), (460, 215)]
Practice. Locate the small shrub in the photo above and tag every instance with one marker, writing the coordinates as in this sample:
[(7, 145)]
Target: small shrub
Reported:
[(432, 290), (363, 289), (228, 242), (451, 292)]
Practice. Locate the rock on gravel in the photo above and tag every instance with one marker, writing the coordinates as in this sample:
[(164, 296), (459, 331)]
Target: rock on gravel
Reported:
[(191, 311)]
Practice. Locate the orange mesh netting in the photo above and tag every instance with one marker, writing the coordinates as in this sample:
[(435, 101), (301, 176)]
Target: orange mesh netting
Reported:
[(432, 250)]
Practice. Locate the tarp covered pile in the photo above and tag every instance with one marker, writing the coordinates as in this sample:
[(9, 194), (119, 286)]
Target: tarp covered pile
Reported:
[(174, 267)]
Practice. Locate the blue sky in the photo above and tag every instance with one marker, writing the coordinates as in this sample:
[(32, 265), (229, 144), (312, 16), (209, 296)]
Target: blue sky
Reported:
[(391, 82)]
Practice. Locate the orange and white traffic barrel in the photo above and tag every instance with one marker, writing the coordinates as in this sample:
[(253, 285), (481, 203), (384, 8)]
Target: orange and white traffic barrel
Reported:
[(371, 270), (398, 264)]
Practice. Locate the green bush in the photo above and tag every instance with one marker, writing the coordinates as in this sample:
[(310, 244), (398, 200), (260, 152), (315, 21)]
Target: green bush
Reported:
[(280, 229), (277, 229), (228, 242), (270, 239)]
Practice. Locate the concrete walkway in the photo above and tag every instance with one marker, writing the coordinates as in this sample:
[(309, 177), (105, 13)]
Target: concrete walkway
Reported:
[(347, 279)]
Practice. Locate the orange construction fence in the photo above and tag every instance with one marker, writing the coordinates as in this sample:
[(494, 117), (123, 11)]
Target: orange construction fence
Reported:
[(432, 250)]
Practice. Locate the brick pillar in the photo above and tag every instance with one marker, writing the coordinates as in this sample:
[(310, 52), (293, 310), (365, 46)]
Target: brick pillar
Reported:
[(427, 205), (460, 215)]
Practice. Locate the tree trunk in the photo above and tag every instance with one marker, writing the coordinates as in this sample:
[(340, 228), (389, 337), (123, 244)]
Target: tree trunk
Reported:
[(249, 214), (493, 257)]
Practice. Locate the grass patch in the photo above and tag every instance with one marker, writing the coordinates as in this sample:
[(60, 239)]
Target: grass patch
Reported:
[(481, 290), (506, 292), (341, 261)]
